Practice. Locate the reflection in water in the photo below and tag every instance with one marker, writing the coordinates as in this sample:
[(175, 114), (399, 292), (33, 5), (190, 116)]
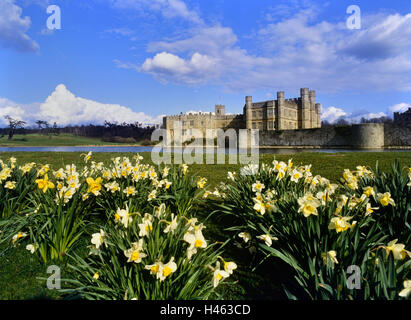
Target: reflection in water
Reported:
[(206, 150)]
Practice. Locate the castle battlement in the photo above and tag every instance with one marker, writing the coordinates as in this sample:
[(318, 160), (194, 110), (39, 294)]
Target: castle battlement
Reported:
[(281, 114)]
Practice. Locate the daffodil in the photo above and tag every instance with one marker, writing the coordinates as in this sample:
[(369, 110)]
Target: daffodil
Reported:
[(44, 184), (258, 186), (267, 239), (330, 256), (97, 239), (407, 289), (230, 266), (196, 240), (219, 275), (397, 249), (245, 236), (201, 183), (18, 236), (231, 175), (385, 199), (31, 247), (154, 268), (167, 269), (172, 225), (123, 216), (130, 191), (339, 224), (135, 254), (296, 175), (10, 185), (146, 226), (94, 186), (369, 210), (308, 205)]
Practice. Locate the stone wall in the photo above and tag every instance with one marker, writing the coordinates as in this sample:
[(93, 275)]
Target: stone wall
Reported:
[(361, 136), (396, 135)]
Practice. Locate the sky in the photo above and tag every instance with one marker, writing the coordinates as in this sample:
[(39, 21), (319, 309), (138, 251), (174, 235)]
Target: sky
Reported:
[(137, 60)]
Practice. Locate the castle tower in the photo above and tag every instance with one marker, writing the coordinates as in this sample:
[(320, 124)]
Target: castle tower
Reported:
[(318, 108), (305, 108), (219, 110), (313, 117), (248, 112), (280, 109)]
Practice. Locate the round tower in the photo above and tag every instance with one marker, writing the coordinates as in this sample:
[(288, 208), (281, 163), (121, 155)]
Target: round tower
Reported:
[(248, 112)]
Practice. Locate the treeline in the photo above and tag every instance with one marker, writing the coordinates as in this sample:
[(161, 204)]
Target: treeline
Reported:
[(344, 122), (109, 132)]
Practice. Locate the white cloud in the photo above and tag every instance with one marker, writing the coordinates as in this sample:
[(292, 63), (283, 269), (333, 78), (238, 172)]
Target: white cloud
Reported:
[(65, 108), (332, 114), (298, 50), (168, 8), (13, 28), (400, 107)]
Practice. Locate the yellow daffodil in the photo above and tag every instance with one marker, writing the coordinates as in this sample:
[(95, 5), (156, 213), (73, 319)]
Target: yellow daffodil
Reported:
[(308, 205), (10, 185), (330, 256), (94, 186), (339, 224), (385, 199), (44, 184)]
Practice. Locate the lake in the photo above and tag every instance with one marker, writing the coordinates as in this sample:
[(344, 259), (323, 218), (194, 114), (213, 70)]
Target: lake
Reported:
[(140, 149)]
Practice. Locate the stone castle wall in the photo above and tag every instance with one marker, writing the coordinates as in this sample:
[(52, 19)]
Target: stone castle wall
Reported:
[(359, 136)]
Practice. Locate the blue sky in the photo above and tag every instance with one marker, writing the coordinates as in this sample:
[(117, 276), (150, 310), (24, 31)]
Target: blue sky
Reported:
[(135, 60)]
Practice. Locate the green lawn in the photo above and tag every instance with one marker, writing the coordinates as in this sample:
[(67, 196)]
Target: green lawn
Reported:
[(40, 140), (19, 270)]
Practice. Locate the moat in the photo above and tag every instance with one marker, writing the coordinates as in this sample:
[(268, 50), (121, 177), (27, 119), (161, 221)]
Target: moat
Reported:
[(279, 150)]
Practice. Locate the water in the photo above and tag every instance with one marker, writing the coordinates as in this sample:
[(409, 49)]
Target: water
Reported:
[(149, 149)]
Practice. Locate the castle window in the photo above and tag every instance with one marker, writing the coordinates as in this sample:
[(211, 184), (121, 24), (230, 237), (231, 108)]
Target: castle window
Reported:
[(260, 125), (192, 123), (254, 114), (202, 123), (184, 123), (270, 125), (270, 113), (254, 125), (260, 113)]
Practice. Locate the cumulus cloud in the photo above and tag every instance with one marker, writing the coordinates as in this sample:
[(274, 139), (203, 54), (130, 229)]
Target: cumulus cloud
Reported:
[(400, 107), (332, 114), (64, 108), (13, 28), (298, 50)]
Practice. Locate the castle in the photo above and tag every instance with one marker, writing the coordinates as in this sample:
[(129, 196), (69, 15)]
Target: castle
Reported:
[(403, 118), (270, 115)]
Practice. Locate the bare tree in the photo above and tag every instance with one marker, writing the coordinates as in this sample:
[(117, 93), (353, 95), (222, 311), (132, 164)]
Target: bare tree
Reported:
[(13, 125)]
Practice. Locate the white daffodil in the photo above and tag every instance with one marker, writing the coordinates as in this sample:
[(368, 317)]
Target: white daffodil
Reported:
[(135, 254), (219, 275), (245, 236), (31, 247), (196, 240), (172, 225), (97, 239), (123, 216), (167, 269), (407, 289), (267, 239)]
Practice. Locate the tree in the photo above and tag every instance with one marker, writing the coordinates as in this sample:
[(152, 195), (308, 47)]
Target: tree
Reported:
[(13, 125)]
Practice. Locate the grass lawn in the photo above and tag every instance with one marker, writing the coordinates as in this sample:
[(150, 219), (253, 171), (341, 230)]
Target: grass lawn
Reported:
[(20, 270), (39, 140)]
